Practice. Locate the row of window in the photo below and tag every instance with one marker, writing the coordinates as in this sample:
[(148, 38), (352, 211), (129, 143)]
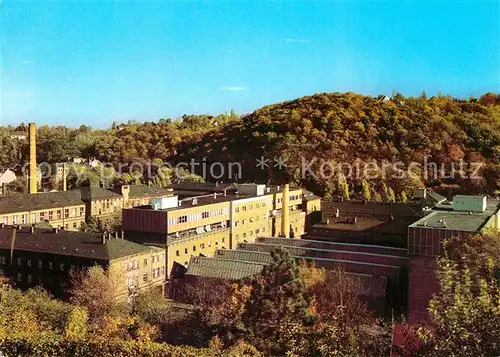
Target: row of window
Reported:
[(29, 263), (197, 216), (48, 215), (257, 231), (135, 264), (244, 221), (250, 206), (202, 246), (134, 282)]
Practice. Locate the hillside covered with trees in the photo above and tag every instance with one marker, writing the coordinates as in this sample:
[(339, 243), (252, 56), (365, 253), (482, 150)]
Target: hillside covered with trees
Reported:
[(313, 136)]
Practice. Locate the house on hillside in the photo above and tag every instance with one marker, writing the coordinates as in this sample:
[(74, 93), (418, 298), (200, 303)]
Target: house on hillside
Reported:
[(7, 177)]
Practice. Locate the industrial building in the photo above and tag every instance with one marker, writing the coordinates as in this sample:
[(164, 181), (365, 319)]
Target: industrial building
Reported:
[(202, 224), (464, 215), (48, 257)]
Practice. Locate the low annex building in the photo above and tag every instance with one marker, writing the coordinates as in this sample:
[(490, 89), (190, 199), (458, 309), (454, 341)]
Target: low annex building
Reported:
[(48, 257)]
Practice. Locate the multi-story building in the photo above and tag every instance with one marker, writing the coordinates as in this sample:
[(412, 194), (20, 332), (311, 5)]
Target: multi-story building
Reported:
[(31, 257), (201, 224), (139, 195), (101, 203), (60, 209)]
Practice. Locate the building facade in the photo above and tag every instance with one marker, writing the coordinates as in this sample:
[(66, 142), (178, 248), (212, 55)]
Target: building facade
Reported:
[(63, 210), (48, 258), (201, 224)]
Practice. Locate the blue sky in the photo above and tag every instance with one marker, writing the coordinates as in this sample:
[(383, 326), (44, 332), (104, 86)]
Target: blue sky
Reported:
[(84, 62)]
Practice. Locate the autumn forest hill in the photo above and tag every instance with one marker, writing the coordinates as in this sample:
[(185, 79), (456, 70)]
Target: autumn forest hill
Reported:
[(342, 127)]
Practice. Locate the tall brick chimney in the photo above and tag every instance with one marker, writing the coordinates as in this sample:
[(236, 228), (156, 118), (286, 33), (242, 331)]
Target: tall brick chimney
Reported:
[(33, 182)]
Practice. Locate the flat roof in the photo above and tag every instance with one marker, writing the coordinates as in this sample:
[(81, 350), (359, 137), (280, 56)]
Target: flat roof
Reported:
[(209, 199), (452, 220)]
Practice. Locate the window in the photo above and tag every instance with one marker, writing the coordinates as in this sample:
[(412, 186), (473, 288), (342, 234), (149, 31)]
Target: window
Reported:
[(74, 225), (244, 208), (162, 271), (19, 261), (209, 243), (205, 215), (33, 218), (2, 260), (50, 265), (216, 243), (145, 263), (182, 219), (202, 245), (130, 266), (14, 219), (177, 253), (59, 214), (263, 204), (51, 215), (251, 233), (237, 209), (145, 277), (236, 223), (82, 211), (66, 213), (66, 226), (61, 266), (223, 239), (263, 229), (244, 235), (28, 262), (29, 278), (194, 248), (40, 264), (42, 216), (185, 250), (19, 276), (72, 267), (243, 222), (257, 231), (5, 220), (73, 212), (250, 207), (136, 264)]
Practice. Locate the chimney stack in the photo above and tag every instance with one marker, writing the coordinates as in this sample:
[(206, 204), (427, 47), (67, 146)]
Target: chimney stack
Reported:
[(285, 217), (33, 182), (64, 177)]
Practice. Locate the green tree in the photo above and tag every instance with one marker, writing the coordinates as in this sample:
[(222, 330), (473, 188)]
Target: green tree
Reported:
[(467, 314), (278, 294)]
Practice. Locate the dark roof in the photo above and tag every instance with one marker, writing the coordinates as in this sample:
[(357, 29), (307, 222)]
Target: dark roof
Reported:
[(433, 198), (90, 193), (138, 191), (238, 264), (244, 255), (222, 268), (77, 244), (39, 201), (372, 209)]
